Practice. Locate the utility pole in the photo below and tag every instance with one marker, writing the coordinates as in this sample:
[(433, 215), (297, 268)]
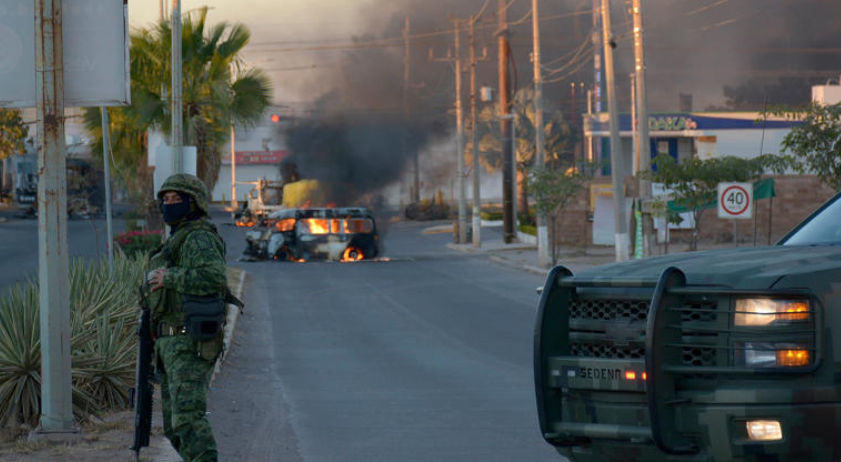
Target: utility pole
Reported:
[(509, 219), (642, 138), (106, 157), (234, 202), (407, 54), (53, 263), (462, 186), (177, 121), (477, 202), (616, 164), (635, 144), (597, 57), (539, 156)]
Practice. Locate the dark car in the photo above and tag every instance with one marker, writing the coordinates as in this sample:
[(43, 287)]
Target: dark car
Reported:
[(726, 355), (336, 234)]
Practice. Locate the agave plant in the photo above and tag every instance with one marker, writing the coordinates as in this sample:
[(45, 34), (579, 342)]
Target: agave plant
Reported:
[(103, 311)]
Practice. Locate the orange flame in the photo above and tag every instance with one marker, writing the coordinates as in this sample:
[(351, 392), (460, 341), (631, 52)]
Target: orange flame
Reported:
[(352, 254), (317, 225)]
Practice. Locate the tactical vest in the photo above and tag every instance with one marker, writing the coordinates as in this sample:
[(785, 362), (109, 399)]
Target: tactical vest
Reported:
[(165, 304)]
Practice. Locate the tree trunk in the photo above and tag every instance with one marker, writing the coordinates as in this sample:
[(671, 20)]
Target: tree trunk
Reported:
[(522, 194)]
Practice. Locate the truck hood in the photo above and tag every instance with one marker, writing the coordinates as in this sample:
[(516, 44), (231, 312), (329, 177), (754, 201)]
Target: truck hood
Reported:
[(754, 268)]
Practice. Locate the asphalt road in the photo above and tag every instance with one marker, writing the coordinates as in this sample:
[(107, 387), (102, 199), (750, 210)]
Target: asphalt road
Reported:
[(427, 357), (19, 245)]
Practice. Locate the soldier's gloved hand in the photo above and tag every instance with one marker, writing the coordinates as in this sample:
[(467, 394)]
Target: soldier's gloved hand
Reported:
[(157, 281)]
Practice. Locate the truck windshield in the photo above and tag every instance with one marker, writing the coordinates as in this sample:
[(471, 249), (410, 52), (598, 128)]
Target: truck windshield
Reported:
[(822, 228)]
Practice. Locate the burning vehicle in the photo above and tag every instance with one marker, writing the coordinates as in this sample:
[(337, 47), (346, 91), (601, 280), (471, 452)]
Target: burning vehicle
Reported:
[(334, 234)]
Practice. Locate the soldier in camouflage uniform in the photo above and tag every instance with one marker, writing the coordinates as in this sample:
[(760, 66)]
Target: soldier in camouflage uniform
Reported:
[(190, 262)]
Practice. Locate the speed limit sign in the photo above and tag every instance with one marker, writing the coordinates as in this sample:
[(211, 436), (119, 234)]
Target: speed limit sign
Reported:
[(735, 200)]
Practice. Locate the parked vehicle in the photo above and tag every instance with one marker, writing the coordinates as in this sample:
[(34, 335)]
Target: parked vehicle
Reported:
[(726, 355)]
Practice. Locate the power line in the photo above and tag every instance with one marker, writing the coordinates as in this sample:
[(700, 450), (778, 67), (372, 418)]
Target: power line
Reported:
[(395, 41), (707, 7)]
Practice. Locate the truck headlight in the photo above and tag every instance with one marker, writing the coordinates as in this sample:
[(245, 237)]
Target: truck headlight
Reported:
[(768, 354), (764, 430), (764, 311)]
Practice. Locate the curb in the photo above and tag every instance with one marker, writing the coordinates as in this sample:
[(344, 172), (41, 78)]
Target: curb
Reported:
[(166, 452), (230, 325), (510, 264)]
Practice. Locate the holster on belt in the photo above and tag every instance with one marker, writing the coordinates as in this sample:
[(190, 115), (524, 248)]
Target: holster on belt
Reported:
[(167, 330)]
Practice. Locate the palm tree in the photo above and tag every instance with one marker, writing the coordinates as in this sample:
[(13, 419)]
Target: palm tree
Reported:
[(217, 90), (559, 140)]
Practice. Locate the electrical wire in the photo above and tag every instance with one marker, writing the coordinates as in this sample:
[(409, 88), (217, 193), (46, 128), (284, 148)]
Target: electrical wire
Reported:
[(706, 7), (398, 41), (481, 11)]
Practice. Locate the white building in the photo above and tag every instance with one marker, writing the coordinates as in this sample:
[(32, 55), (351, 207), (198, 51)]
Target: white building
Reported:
[(683, 135), (259, 152)]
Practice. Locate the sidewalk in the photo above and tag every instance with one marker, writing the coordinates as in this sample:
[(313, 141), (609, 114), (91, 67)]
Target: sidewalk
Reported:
[(524, 256)]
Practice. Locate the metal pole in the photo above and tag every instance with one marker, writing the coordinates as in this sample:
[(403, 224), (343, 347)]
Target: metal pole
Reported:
[(177, 122), (643, 141), (53, 266), (234, 202), (539, 156), (616, 165), (462, 185), (106, 157), (509, 216), (590, 138), (415, 190), (477, 204), (597, 57), (636, 158)]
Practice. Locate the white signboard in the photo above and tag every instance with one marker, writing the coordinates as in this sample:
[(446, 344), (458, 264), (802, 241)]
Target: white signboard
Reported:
[(735, 200), (96, 62)]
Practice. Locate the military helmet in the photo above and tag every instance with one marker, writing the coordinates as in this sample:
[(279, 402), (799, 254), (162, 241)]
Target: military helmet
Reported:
[(190, 185)]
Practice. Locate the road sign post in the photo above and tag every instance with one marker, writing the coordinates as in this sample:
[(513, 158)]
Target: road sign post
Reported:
[(735, 202), (55, 54)]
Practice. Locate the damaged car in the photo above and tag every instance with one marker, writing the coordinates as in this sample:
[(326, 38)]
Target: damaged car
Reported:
[(332, 234)]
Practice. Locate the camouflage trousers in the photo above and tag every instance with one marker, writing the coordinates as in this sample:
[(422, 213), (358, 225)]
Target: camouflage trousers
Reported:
[(185, 379)]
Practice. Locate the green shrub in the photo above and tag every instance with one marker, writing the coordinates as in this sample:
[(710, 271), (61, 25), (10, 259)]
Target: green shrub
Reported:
[(492, 216), (527, 219), (102, 322), (133, 243), (528, 229)]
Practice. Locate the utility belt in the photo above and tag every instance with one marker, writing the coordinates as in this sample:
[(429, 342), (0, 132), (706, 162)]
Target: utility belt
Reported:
[(168, 330)]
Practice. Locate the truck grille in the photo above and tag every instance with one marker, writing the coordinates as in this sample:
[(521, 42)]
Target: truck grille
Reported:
[(596, 342), (609, 310), (606, 350)]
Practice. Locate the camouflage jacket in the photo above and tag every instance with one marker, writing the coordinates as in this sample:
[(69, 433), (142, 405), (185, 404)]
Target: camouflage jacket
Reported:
[(194, 257)]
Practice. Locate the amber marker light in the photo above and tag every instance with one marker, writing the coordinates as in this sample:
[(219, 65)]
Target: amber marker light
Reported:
[(764, 430), (630, 375), (793, 358), (794, 311)]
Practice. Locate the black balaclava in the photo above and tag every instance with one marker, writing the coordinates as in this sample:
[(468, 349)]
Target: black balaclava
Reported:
[(174, 214)]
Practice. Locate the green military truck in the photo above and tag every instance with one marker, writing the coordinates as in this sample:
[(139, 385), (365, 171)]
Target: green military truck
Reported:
[(726, 355)]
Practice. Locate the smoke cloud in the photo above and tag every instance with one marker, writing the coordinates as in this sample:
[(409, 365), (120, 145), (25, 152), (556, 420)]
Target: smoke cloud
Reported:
[(761, 50)]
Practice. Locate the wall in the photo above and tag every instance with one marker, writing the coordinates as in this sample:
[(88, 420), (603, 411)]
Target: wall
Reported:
[(797, 197)]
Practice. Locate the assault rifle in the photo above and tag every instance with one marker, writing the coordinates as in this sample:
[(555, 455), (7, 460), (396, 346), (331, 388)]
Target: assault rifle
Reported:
[(141, 394)]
